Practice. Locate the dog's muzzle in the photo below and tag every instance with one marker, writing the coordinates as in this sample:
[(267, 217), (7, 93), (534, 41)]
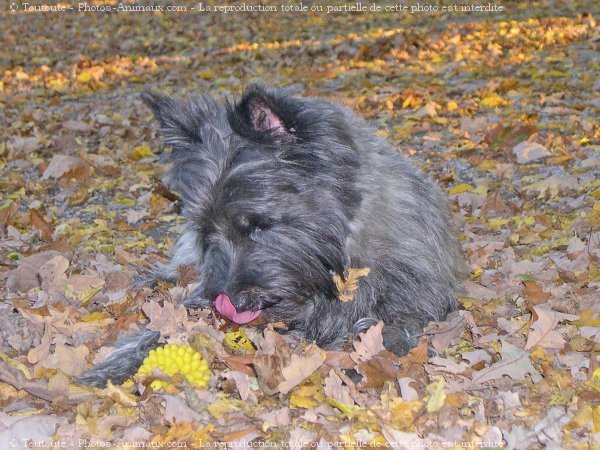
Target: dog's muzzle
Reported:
[(224, 306)]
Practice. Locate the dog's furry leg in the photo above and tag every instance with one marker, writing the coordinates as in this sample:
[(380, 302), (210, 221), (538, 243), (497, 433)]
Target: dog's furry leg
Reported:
[(124, 361), (398, 338)]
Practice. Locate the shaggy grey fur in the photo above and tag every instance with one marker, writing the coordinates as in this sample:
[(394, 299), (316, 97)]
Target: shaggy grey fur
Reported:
[(280, 194)]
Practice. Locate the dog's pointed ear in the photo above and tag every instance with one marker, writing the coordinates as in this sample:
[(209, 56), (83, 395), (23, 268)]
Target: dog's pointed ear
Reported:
[(175, 117), (264, 112), (162, 105)]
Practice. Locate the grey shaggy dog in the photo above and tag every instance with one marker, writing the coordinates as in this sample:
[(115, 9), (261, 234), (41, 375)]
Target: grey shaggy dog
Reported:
[(280, 194)]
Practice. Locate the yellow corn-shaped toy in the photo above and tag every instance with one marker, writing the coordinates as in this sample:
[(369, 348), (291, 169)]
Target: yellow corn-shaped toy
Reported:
[(173, 358)]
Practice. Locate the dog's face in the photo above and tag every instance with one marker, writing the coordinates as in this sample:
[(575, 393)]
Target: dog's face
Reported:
[(268, 183)]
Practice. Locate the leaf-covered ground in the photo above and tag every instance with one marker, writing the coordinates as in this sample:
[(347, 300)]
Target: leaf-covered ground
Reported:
[(502, 109)]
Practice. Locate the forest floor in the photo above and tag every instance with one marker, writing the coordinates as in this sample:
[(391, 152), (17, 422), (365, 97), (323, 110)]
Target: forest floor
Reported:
[(502, 109)]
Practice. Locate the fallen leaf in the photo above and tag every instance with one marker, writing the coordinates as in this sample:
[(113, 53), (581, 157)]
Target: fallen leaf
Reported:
[(242, 383), (407, 392), (271, 356), (438, 395), (515, 363), (66, 166), (334, 388), (76, 125), (527, 152), (25, 276), (534, 293), (300, 368), (349, 283), (542, 331), (369, 344)]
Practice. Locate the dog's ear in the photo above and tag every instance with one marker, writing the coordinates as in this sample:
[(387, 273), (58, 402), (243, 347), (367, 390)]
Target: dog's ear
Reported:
[(178, 122), (263, 113)]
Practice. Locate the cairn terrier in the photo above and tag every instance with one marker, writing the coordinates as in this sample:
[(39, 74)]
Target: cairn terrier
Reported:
[(284, 196)]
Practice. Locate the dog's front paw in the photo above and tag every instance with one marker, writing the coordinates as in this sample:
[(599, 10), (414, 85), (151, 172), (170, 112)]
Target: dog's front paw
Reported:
[(143, 279), (194, 299)]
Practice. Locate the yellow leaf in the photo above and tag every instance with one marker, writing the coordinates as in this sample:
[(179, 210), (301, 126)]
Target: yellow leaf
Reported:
[(460, 188), (308, 395), (487, 166), (85, 295), (452, 105), (84, 77), (343, 407), (185, 432), (492, 100), (140, 152), (221, 406), (125, 201), (468, 303), (436, 401), (538, 353), (101, 317), (481, 190), (119, 395), (497, 223), (404, 412), (408, 102), (584, 415), (22, 367), (594, 383), (595, 219), (207, 74), (158, 203), (347, 287), (587, 319), (238, 341)]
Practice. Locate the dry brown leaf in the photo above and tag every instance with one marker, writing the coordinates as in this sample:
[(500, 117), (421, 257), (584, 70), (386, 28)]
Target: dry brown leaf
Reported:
[(271, 356), (66, 166), (53, 271), (412, 365), (573, 270), (37, 221), (242, 383), (300, 368), (535, 293), (542, 331), (68, 359), (334, 388), (407, 392), (166, 318), (515, 363), (370, 343), (444, 333), (528, 152), (41, 352), (347, 286), (158, 203), (76, 125), (378, 370), (25, 277)]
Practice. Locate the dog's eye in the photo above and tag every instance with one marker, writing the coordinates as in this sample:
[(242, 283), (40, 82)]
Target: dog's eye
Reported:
[(252, 224), (262, 223), (258, 224)]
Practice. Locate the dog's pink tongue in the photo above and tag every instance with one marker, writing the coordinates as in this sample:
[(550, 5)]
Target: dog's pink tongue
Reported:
[(226, 308)]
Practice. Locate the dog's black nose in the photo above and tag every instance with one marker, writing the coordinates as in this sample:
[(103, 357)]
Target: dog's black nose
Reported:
[(243, 301), (250, 299)]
